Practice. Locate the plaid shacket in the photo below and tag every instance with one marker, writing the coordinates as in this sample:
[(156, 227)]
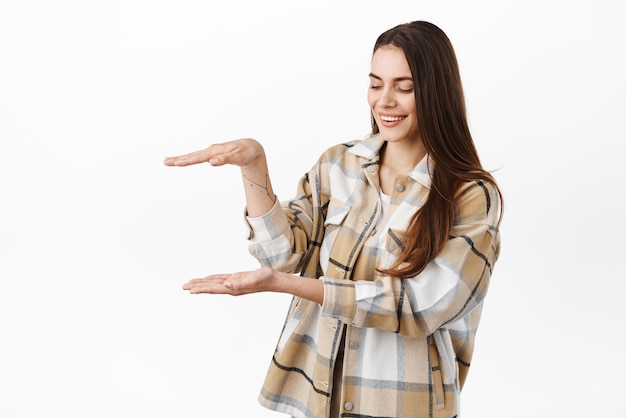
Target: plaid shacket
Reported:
[(408, 342)]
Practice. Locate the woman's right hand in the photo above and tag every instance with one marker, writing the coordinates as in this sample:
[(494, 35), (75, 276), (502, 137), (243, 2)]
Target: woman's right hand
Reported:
[(240, 152), (247, 154)]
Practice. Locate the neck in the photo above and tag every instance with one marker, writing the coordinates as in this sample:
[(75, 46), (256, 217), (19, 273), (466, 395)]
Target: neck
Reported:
[(400, 157), (397, 160)]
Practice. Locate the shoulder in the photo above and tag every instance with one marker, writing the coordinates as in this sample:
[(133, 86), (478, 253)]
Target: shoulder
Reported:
[(339, 169), (476, 188), (479, 199)]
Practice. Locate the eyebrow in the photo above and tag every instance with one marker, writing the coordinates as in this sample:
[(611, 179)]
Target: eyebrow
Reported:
[(395, 79)]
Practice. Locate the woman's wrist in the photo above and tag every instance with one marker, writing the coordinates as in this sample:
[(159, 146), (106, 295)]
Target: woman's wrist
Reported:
[(281, 282), (260, 195), (304, 287)]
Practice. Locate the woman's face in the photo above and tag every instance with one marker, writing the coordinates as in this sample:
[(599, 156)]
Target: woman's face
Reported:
[(391, 95)]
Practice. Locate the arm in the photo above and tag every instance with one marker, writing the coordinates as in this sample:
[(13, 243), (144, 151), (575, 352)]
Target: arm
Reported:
[(264, 279), (287, 237), (261, 203), (249, 155)]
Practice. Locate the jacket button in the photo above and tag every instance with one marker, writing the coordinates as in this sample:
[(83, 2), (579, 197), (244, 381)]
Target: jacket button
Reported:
[(399, 187), (347, 406), (354, 345)]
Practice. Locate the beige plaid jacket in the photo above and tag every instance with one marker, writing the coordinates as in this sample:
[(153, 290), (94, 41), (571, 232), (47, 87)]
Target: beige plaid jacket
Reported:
[(408, 342)]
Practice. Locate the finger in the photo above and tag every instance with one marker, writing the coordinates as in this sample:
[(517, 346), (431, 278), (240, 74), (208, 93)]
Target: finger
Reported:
[(214, 278), (188, 159), (197, 157), (209, 287)]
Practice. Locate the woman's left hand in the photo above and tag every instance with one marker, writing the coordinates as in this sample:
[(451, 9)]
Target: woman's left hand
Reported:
[(241, 283)]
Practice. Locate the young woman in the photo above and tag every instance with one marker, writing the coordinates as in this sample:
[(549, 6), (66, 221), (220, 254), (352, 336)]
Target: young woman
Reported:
[(388, 247)]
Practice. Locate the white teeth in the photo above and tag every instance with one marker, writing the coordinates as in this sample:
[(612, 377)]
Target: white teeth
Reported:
[(392, 118)]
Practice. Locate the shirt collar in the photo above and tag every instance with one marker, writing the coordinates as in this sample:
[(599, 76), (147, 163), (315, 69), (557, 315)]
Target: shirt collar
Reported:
[(370, 147)]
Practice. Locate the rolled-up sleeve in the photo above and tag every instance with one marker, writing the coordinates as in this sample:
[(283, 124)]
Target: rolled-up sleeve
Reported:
[(280, 238), (270, 239), (339, 299)]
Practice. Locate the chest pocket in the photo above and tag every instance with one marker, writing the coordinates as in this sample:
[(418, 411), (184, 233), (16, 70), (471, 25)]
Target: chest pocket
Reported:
[(335, 246), (336, 213), (335, 216), (394, 243)]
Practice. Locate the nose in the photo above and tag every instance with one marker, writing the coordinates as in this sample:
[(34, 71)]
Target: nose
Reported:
[(387, 98)]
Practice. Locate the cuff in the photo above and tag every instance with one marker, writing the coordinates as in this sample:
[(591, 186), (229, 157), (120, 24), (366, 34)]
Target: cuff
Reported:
[(268, 226), (339, 299)]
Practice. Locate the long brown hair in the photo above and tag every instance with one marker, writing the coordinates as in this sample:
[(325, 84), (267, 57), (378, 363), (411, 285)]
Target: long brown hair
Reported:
[(442, 123)]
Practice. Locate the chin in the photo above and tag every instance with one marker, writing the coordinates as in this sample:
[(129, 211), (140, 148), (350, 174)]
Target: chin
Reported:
[(391, 136)]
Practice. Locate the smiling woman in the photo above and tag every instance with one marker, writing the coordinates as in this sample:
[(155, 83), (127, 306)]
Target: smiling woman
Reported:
[(391, 96), (387, 248), (392, 100)]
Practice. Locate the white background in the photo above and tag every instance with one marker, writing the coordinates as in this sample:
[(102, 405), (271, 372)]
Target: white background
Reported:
[(97, 236)]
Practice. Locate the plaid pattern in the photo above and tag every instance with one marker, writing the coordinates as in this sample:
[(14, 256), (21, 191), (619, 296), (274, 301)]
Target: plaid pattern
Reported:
[(409, 342)]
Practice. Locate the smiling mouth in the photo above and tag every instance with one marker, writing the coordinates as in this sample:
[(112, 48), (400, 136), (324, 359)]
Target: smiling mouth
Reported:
[(392, 118)]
